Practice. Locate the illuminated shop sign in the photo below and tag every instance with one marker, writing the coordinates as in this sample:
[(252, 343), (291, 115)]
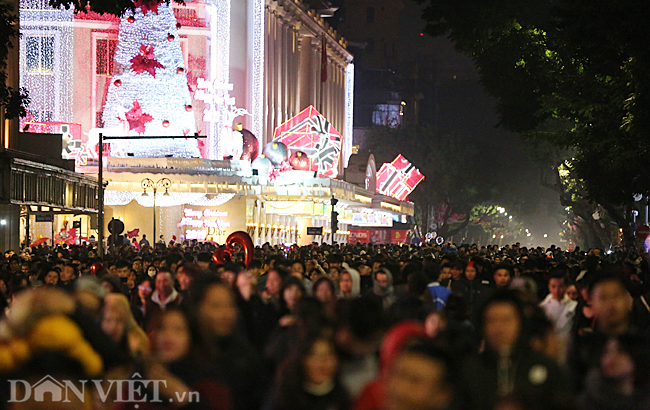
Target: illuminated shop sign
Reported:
[(203, 224)]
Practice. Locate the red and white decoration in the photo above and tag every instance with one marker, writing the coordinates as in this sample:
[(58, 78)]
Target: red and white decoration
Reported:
[(398, 179), (311, 133)]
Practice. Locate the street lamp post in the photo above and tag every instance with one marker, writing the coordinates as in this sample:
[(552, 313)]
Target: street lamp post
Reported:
[(150, 184)]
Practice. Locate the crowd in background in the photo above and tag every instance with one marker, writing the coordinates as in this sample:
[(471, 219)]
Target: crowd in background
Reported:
[(327, 327)]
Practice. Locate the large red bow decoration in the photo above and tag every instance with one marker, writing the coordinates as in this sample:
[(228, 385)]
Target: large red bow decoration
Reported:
[(240, 237)]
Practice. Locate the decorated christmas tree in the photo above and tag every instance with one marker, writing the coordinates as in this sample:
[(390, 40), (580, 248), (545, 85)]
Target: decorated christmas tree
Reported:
[(148, 95)]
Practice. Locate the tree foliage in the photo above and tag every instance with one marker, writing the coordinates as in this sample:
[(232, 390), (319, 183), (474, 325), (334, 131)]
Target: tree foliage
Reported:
[(454, 182), (582, 64)]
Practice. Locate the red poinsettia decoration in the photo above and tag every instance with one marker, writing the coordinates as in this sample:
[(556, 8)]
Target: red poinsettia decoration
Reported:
[(147, 5), (137, 119), (145, 61), (133, 233), (274, 174)]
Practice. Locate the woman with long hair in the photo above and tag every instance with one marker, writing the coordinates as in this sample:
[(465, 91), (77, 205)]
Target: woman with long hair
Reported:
[(308, 379)]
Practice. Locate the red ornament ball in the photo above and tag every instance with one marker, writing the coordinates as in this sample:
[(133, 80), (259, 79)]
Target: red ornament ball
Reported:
[(131, 19), (170, 37), (180, 70), (165, 123), (117, 83), (188, 108), (178, 26), (299, 161), (251, 146)]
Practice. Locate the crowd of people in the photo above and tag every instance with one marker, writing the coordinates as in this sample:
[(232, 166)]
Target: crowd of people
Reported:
[(326, 327)]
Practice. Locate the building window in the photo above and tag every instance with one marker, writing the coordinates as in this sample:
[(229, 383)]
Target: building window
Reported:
[(387, 115), (370, 14), (104, 55), (39, 54)]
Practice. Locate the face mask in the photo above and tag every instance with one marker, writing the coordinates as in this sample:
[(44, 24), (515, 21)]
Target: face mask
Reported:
[(151, 273)]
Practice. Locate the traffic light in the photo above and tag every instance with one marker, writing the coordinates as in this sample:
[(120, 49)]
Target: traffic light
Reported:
[(333, 202), (335, 222)]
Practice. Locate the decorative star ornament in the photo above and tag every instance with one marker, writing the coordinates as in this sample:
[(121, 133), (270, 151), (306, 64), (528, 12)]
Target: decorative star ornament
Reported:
[(137, 119), (145, 61)]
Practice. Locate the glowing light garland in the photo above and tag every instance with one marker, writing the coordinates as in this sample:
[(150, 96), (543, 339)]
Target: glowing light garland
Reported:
[(219, 65), (46, 59), (116, 198), (257, 83), (163, 97), (349, 113)]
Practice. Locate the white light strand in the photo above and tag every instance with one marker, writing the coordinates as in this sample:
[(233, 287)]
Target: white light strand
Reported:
[(46, 58), (164, 96), (217, 200), (116, 198), (349, 113), (257, 94), (219, 65)]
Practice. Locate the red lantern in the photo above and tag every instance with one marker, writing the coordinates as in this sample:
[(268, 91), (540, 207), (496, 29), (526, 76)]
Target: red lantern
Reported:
[(178, 26), (165, 123), (170, 37), (188, 108), (117, 83), (180, 70), (131, 19)]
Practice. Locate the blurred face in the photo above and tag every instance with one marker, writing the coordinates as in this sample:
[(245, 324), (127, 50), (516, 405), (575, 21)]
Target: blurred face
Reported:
[(501, 278), (324, 293), (244, 280), (52, 277), (557, 288), (67, 274), (572, 292), (172, 339), (321, 363), (144, 289), (184, 280), (616, 363), (164, 283), (273, 283), (24, 269), (14, 265), (417, 382), (137, 266), (611, 304), (445, 273), (292, 295), (456, 272), (345, 284), (217, 311), (112, 323), (228, 277), (334, 274), (152, 271), (382, 280), (470, 273), (501, 326), (297, 269), (122, 272)]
